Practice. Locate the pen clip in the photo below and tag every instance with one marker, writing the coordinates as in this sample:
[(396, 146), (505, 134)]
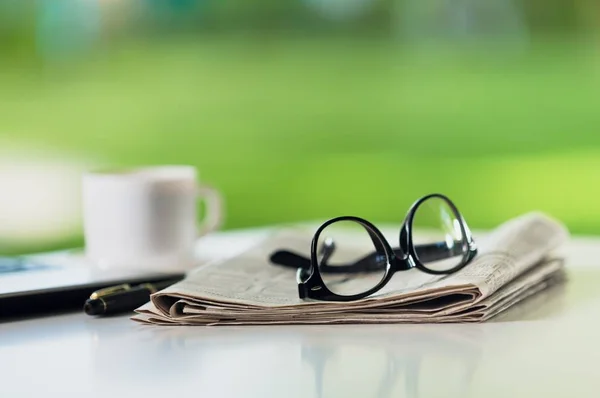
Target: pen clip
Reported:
[(110, 290)]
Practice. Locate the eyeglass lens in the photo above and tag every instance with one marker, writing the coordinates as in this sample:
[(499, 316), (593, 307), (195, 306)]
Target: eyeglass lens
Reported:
[(437, 236), (350, 259)]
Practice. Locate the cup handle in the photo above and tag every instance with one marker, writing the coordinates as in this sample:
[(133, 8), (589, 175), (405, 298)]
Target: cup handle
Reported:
[(214, 209)]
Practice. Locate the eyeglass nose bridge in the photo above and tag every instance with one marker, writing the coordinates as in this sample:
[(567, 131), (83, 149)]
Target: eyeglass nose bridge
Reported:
[(401, 261)]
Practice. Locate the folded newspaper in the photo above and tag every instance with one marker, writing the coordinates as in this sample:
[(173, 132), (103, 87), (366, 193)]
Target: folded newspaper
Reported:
[(515, 261)]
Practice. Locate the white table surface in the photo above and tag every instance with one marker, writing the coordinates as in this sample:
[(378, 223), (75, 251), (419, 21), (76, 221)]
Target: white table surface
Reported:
[(548, 346)]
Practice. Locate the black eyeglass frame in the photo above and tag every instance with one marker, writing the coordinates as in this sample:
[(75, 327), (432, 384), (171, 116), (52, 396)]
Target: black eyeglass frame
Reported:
[(310, 281)]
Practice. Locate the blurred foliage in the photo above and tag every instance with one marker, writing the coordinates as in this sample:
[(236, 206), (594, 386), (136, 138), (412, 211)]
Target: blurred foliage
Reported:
[(297, 115)]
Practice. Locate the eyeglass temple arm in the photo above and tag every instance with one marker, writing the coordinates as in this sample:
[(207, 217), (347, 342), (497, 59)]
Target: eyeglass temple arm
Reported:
[(287, 258), (371, 262), (293, 260), (439, 251)]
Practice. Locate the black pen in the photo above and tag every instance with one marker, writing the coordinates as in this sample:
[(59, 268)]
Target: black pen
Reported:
[(123, 298)]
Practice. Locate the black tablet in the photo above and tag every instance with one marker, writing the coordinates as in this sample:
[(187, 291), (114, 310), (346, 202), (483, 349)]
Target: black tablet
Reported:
[(60, 281)]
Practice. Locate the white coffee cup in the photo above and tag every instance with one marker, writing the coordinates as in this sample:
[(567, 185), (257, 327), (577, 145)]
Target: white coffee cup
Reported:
[(146, 218)]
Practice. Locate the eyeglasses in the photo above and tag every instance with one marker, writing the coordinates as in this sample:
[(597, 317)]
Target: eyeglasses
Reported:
[(351, 259)]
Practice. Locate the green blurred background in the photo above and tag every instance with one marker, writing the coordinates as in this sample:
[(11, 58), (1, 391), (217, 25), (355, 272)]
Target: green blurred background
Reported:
[(305, 109)]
